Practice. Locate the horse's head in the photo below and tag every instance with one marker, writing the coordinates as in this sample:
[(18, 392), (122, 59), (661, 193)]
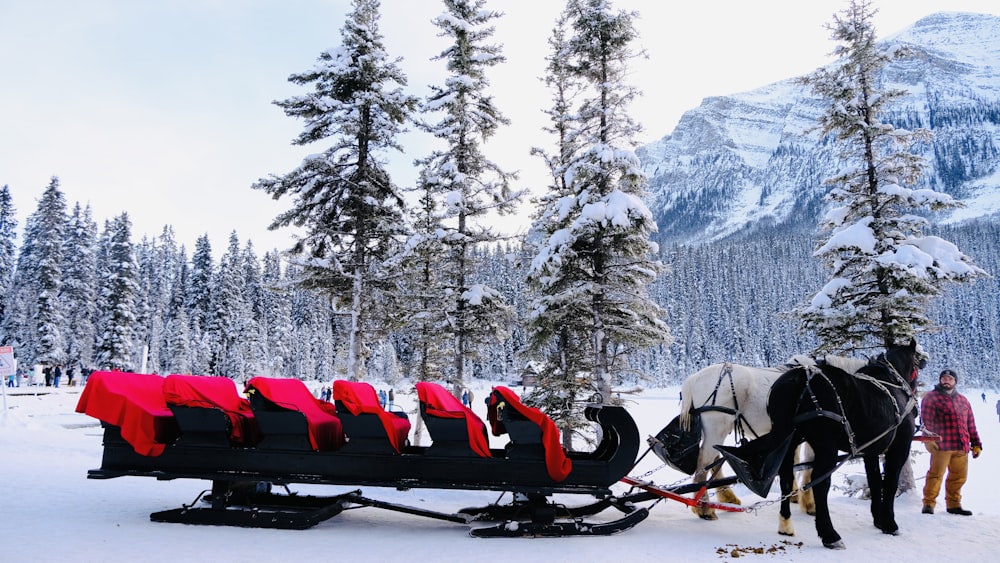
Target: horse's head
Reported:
[(906, 359)]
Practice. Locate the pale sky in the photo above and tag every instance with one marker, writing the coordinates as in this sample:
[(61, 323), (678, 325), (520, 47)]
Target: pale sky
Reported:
[(163, 109)]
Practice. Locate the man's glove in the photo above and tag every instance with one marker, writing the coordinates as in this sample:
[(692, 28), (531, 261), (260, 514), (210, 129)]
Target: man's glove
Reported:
[(976, 450)]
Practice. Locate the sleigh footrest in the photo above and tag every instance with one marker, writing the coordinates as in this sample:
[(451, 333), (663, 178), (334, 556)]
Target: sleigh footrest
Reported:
[(287, 518)]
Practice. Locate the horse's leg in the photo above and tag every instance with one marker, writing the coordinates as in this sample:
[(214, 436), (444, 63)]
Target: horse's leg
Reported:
[(873, 471), (714, 428), (897, 455), (724, 494), (786, 480), (825, 460), (806, 498)]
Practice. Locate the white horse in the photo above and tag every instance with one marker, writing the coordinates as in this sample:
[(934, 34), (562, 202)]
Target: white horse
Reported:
[(729, 397)]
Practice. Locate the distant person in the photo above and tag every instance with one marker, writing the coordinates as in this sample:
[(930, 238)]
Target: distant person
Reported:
[(465, 398), (392, 397), (947, 413), (470, 398), (47, 372), (381, 398), (71, 376), (984, 397), (998, 408), (56, 375)]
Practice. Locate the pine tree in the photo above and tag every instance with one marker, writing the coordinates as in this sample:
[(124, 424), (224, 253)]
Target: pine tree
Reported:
[(80, 287), (198, 299), (42, 270), (595, 259), (427, 305), (277, 318), (8, 257), (884, 270), (120, 295), (228, 322), (344, 197), (463, 184)]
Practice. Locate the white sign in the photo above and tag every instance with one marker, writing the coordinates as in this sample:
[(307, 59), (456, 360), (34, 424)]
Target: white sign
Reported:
[(6, 361)]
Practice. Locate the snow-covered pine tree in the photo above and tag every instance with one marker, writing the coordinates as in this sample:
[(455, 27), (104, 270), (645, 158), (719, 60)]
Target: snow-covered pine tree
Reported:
[(79, 289), (884, 269), (198, 299), (560, 336), (230, 314), (595, 259), (276, 318), (344, 197), (464, 184), (160, 271), (37, 323), (253, 298), (119, 285), (177, 348), (431, 354), (8, 256)]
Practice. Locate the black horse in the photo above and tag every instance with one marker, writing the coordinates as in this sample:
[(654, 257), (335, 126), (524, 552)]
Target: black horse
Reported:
[(865, 412)]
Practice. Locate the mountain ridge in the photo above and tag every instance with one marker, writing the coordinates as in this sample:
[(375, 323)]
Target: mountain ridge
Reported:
[(753, 160)]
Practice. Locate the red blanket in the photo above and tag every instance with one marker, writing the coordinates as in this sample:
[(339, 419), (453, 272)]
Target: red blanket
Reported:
[(359, 397), (133, 402), (440, 403), (214, 393), (325, 430), (558, 465)]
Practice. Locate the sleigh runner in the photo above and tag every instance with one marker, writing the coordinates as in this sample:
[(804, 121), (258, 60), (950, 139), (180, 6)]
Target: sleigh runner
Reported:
[(192, 427)]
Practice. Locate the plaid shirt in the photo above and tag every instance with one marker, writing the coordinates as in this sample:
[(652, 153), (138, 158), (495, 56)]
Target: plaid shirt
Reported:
[(950, 416)]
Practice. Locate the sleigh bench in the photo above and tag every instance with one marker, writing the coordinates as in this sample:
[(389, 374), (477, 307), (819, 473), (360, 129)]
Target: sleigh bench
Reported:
[(454, 428), (532, 433), (210, 411), (291, 418), (134, 405), (369, 427)]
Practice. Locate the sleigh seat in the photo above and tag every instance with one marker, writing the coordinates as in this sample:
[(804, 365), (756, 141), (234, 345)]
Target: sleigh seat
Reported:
[(369, 427), (210, 411), (290, 417), (454, 428), (532, 433), (133, 404)]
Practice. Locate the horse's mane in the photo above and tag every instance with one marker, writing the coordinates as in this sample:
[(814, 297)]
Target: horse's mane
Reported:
[(849, 365)]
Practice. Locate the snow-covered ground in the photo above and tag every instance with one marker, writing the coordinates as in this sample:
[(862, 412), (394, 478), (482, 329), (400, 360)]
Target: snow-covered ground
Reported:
[(52, 512)]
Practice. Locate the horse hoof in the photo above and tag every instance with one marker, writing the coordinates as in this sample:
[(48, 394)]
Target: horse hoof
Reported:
[(891, 532), (839, 544), (708, 516)]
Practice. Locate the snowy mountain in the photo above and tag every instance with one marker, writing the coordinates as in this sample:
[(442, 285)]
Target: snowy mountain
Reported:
[(745, 161)]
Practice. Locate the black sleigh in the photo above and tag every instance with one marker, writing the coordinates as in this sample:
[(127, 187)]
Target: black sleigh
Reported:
[(253, 449)]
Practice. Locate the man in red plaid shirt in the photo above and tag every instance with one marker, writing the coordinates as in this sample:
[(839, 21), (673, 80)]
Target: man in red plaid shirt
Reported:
[(948, 414)]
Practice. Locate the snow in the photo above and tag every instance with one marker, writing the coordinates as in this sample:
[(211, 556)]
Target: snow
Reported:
[(52, 512)]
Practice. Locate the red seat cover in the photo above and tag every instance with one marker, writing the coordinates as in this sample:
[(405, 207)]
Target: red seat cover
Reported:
[(133, 402), (440, 403), (359, 397), (556, 463), (325, 429), (214, 392)]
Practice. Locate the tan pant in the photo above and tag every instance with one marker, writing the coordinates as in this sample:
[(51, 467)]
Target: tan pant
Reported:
[(957, 464)]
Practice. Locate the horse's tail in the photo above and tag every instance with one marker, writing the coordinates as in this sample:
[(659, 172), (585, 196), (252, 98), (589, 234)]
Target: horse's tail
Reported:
[(687, 402)]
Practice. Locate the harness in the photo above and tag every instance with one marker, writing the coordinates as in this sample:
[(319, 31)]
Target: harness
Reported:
[(710, 405), (813, 372)]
